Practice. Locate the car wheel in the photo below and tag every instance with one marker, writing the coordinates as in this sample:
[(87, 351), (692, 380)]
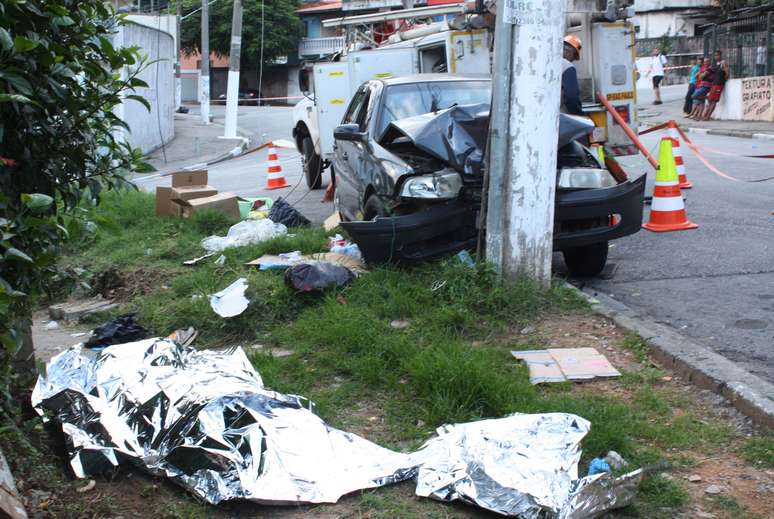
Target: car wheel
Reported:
[(586, 261), (374, 208), (312, 164)]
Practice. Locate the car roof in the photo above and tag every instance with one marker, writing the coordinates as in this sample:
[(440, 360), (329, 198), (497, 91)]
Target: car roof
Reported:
[(430, 78)]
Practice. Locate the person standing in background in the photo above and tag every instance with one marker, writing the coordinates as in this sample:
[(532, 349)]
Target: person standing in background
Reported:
[(761, 53), (657, 72), (695, 68), (571, 102)]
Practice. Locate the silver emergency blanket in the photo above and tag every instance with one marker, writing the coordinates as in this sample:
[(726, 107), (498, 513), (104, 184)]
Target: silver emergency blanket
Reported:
[(205, 420), (524, 465)]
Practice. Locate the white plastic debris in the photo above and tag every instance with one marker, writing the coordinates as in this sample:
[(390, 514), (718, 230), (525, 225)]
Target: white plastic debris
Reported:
[(52, 325), (244, 233), (230, 301), (221, 260), (615, 460)]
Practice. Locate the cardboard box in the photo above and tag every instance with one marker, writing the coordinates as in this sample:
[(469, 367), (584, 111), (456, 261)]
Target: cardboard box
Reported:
[(227, 203), (189, 178), (191, 192), (164, 201), (180, 179)]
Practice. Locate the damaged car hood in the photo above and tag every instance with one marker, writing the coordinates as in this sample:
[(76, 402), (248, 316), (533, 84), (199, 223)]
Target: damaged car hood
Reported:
[(458, 135)]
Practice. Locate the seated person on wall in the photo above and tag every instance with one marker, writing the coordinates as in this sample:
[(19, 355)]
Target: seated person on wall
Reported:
[(720, 78)]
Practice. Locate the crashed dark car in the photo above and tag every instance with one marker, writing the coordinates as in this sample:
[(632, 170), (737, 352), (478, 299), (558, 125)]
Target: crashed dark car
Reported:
[(409, 169)]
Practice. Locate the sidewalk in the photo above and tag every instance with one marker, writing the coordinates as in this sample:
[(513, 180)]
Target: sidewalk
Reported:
[(652, 115), (193, 143)]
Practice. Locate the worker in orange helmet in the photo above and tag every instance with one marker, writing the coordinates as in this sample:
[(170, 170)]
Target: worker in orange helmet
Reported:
[(571, 102)]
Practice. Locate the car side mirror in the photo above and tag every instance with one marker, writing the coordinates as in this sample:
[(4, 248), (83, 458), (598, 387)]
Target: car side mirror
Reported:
[(349, 132), (303, 80)]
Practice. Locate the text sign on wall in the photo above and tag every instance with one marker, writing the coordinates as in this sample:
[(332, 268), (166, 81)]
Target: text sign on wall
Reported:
[(519, 12), (756, 99)]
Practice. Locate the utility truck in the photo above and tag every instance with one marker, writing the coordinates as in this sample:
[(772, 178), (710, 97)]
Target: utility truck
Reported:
[(460, 44)]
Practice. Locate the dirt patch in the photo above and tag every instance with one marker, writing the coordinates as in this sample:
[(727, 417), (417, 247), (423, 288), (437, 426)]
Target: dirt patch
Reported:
[(125, 286), (51, 339), (745, 485)]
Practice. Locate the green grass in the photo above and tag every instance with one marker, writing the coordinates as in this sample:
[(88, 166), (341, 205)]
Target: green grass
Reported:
[(353, 364), (760, 451)]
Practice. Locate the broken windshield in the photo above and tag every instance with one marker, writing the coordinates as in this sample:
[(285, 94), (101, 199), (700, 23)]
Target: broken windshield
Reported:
[(401, 101)]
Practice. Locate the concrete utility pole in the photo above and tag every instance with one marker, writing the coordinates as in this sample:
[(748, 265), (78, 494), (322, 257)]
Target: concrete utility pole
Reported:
[(204, 73), (523, 137), (232, 91), (178, 79)]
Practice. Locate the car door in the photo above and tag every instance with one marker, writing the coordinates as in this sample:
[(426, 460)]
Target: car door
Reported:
[(348, 157)]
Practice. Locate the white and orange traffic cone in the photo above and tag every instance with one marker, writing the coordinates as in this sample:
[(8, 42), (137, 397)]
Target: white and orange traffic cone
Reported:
[(275, 178), (678, 152), (667, 211)]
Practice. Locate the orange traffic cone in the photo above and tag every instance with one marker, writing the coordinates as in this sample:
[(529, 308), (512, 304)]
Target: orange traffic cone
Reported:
[(667, 211), (275, 179), (682, 177)]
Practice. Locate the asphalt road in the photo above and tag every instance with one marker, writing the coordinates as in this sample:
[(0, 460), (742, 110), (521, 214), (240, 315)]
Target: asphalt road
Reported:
[(715, 284)]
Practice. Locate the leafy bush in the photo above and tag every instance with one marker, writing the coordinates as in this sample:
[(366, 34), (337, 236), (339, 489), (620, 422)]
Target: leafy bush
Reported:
[(60, 78)]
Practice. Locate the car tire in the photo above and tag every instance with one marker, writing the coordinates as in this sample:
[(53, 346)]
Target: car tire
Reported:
[(312, 164), (374, 208), (586, 261)]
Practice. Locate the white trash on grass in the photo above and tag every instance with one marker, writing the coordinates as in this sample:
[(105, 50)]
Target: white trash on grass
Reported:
[(230, 301), (244, 233)]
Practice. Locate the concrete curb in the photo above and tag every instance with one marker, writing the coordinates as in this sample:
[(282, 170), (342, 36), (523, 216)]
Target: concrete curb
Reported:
[(729, 133), (743, 134), (233, 153), (693, 362)]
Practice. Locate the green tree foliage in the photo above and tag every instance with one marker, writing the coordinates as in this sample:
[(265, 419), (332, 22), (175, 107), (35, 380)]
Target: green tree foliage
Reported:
[(282, 28), (60, 78)]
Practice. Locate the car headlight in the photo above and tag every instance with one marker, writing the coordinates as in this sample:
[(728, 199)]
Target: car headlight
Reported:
[(585, 178), (443, 185)]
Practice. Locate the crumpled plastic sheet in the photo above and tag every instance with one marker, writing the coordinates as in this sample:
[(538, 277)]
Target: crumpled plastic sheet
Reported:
[(205, 420), (246, 232), (524, 465)]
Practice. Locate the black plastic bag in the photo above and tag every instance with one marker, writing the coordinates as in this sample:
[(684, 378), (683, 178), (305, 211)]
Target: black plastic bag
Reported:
[(117, 331), (315, 277), (284, 213)]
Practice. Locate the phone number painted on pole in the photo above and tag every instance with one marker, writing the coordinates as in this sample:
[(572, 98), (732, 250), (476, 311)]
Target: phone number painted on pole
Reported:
[(523, 13)]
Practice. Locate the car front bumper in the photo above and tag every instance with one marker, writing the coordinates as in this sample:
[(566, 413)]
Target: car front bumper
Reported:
[(582, 217)]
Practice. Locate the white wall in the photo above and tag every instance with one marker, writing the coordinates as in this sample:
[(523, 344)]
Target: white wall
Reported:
[(655, 25), (165, 22), (150, 129), (658, 17), (747, 99), (655, 5)]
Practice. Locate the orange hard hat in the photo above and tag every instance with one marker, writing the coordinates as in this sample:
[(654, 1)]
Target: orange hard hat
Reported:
[(574, 42)]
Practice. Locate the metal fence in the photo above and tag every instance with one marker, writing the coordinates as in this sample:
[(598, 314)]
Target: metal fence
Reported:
[(739, 40), (678, 45), (682, 49)]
